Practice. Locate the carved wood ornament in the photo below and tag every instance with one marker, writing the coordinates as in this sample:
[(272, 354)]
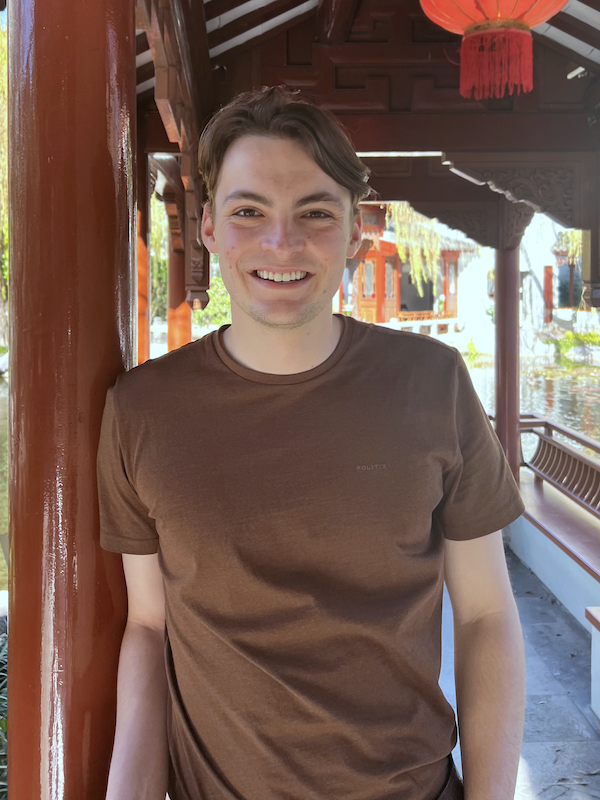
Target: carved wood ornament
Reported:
[(183, 96)]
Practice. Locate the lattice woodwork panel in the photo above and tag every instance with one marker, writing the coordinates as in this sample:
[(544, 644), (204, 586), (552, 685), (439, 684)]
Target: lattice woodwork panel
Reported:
[(395, 60)]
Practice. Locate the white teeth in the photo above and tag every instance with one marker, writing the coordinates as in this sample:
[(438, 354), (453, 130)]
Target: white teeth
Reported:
[(281, 277)]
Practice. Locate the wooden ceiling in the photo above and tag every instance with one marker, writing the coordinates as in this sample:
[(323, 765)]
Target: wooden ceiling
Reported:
[(233, 26)]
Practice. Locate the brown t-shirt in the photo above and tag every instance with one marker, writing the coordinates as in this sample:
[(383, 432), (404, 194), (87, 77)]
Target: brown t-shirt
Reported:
[(299, 521)]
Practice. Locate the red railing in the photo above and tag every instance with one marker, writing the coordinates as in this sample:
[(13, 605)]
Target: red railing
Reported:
[(422, 316)]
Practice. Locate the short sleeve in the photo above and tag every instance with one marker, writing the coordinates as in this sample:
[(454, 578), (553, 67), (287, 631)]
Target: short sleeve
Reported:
[(480, 492), (125, 525)]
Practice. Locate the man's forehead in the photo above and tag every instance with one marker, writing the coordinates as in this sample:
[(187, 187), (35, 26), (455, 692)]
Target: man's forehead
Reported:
[(261, 173)]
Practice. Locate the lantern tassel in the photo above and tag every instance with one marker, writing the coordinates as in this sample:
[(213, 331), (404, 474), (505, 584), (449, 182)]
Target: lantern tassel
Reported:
[(495, 60)]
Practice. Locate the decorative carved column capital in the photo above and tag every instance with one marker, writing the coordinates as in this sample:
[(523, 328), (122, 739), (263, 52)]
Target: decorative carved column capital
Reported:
[(513, 219)]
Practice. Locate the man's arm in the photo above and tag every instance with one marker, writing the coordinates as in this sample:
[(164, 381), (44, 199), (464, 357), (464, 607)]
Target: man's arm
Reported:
[(139, 765), (489, 665)]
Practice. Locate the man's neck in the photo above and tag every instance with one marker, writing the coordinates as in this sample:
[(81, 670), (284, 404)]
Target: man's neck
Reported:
[(282, 351)]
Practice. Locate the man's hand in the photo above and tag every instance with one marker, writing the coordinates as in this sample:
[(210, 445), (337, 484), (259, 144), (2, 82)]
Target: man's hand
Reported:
[(489, 665)]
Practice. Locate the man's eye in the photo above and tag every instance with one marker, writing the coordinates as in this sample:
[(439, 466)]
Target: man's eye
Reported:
[(247, 212), (315, 214)]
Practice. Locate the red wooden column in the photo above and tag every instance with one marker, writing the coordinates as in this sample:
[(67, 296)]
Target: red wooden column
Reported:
[(548, 293), (380, 289), (143, 257), (179, 314), (72, 94), (397, 287), (507, 354)]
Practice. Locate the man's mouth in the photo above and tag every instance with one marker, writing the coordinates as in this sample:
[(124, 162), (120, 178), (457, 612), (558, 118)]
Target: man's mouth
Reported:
[(280, 277)]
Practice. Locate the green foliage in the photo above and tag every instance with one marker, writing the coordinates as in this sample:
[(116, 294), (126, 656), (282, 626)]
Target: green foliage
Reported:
[(472, 352), (417, 241), (571, 340), (159, 256), (3, 716), (218, 311)]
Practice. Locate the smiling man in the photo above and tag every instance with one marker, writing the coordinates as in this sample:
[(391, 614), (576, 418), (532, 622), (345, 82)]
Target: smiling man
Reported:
[(289, 494)]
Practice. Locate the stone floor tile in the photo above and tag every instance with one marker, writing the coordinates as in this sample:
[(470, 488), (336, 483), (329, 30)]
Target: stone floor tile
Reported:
[(540, 679), (550, 718), (548, 767), (566, 651)]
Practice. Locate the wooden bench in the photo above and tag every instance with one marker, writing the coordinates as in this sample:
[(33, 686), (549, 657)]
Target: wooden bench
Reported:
[(560, 486), (557, 471), (557, 463)]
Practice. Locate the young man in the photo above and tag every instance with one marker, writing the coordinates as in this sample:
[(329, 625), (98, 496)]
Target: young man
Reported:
[(289, 494)]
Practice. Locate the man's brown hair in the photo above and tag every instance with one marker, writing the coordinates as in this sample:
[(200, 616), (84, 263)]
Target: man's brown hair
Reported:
[(280, 113)]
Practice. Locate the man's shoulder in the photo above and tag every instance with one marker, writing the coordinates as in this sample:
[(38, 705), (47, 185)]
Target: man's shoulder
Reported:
[(163, 375), (395, 343)]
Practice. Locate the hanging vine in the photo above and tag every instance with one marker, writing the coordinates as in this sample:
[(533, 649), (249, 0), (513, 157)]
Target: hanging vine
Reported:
[(570, 240), (417, 241)]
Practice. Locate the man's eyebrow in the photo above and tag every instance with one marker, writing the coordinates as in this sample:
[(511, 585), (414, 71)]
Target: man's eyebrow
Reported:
[(246, 194), (254, 197), (320, 197)]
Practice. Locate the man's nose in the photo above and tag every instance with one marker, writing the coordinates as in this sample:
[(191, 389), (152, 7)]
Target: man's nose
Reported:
[(283, 238)]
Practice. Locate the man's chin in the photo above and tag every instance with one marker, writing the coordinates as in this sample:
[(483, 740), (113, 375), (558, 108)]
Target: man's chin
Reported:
[(284, 319)]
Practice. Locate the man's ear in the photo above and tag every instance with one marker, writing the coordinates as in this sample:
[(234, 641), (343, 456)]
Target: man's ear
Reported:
[(355, 236), (208, 230)]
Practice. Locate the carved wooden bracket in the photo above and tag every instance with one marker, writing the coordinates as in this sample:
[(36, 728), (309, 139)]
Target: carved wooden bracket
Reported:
[(497, 223), (561, 185), (183, 83), (197, 258)]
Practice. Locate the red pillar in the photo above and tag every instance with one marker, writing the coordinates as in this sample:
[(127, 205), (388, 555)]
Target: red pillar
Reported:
[(72, 95), (143, 257), (179, 314), (507, 354), (380, 289), (397, 287), (548, 294)]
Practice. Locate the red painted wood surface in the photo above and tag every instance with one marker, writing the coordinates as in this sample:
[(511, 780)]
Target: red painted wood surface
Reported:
[(548, 294), (397, 289), (507, 355), (143, 257), (179, 314), (450, 261), (379, 288), (72, 225)]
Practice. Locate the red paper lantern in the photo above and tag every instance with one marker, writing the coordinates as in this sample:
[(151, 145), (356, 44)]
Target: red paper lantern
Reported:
[(497, 49)]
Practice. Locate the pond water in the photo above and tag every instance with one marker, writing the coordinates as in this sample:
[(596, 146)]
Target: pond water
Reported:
[(565, 394)]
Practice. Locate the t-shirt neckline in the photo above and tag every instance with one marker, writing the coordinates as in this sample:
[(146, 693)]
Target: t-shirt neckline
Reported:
[(297, 377)]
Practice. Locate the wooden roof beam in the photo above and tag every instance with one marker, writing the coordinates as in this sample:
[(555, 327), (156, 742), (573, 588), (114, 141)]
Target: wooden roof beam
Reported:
[(224, 28), (437, 131), (334, 20), (594, 4), (190, 27), (578, 29)]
